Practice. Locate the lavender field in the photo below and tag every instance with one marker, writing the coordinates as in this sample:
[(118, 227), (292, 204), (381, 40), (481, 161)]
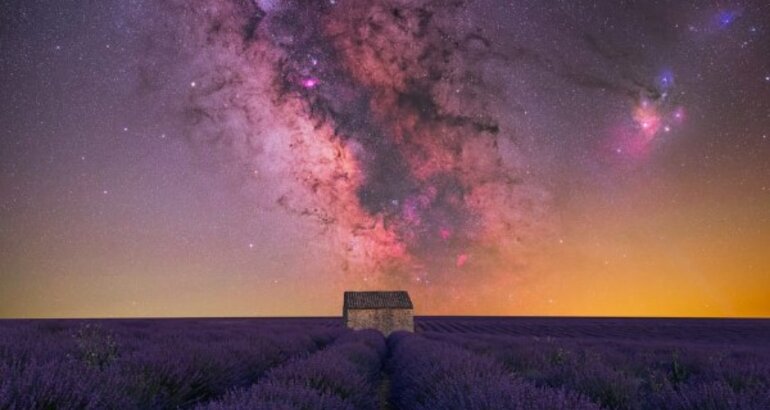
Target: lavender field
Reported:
[(449, 363)]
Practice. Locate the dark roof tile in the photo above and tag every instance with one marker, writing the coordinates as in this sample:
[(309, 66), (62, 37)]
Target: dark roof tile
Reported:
[(378, 300)]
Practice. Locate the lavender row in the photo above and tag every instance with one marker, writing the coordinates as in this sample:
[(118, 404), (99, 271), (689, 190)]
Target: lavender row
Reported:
[(634, 375), (427, 374), (746, 332), (345, 376), (141, 364)]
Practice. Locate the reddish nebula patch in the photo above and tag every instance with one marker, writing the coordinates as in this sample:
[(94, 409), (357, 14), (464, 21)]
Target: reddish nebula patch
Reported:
[(461, 260)]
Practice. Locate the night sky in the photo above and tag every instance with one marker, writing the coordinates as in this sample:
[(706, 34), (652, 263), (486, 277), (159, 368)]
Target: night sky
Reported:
[(240, 158)]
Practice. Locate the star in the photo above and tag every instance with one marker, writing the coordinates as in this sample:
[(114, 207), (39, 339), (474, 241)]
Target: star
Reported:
[(666, 80), (679, 113)]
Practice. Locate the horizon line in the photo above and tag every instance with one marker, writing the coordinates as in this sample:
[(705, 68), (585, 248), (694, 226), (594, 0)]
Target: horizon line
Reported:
[(416, 316)]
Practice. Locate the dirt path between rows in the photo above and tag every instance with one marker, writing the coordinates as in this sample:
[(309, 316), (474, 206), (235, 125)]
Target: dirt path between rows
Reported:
[(384, 392)]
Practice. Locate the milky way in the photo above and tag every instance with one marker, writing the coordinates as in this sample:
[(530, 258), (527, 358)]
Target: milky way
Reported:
[(378, 113), (384, 124)]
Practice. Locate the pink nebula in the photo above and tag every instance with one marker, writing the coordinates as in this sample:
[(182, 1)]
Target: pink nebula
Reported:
[(310, 82)]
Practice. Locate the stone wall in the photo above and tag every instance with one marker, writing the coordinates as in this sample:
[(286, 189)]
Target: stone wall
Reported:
[(384, 320)]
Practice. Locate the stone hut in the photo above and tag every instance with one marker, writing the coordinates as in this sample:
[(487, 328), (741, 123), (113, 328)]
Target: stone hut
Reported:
[(385, 311)]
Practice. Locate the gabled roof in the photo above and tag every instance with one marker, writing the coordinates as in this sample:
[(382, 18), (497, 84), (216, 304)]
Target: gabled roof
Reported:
[(398, 299)]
